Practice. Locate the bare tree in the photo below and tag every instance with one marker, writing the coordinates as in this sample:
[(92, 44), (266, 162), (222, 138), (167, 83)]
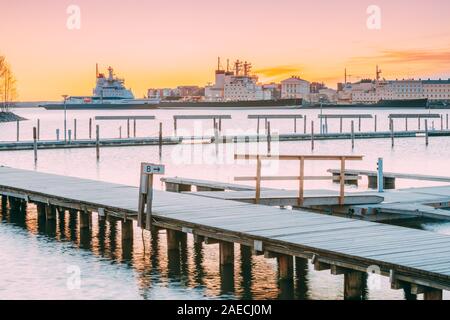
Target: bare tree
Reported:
[(7, 85)]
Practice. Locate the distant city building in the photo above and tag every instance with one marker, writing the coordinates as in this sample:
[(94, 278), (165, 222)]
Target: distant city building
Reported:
[(315, 87), (295, 87)]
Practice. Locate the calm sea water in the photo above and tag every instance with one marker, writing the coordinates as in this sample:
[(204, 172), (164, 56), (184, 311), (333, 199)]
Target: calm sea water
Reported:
[(38, 259)]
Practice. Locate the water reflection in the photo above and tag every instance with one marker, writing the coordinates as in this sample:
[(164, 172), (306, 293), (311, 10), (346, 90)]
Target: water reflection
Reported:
[(193, 266)]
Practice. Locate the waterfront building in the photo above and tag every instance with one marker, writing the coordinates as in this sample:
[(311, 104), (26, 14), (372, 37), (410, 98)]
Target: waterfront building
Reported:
[(295, 87)]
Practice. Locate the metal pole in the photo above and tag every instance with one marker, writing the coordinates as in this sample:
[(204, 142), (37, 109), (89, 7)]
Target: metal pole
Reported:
[(380, 177), (340, 124), (128, 128), (18, 130), (442, 122), (65, 121), (359, 124), (35, 143), (446, 121), (97, 141), (418, 119), (426, 132), (134, 127), (312, 135), (175, 126), (269, 138), (375, 128), (120, 132), (70, 136), (304, 125), (295, 124), (406, 123), (57, 134)]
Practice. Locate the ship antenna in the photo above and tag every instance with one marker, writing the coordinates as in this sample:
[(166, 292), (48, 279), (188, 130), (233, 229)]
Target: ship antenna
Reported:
[(96, 70)]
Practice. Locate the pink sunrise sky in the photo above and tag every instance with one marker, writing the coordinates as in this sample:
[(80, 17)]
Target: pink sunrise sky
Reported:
[(176, 42)]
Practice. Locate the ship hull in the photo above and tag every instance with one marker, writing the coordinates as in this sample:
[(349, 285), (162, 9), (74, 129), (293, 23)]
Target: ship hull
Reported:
[(286, 103), (280, 103), (412, 104), (100, 106)]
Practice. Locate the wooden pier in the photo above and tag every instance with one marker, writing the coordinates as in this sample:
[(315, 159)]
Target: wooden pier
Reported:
[(413, 259)]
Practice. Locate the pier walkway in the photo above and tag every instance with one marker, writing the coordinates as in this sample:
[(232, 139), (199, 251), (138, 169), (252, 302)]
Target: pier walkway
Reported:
[(419, 260)]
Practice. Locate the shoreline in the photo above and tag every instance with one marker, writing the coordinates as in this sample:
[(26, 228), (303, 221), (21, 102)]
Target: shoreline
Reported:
[(8, 116)]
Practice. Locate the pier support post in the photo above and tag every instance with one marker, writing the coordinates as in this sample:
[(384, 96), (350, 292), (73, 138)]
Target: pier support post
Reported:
[(226, 251), (40, 208), (4, 203), (50, 212), (432, 294), (127, 230), (85, 222), (172, 239), (285, 267), (353, 285)]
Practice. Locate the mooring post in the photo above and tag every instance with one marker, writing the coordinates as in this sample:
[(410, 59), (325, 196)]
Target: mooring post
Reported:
[(380, 176), (392, 132), (70, 135), (442, 122), (120, 132), (418, 123), (226, 252), (353, 284), (175, 126), (353, 134), (160, 139), (375, 123), (257, 128), (446, 121), (128, 128), (426, 132), (304, 125), (57, 134), (220, 125), (359, 124), (134, 127), (326, 125), (18, 130), (216, 137), (90, 128), (312, 135), (295, 124), (74, 129), (285, 267), (406, 123), (269, 138), (38, 129), (340, 124), (97, 141), (35, 143)]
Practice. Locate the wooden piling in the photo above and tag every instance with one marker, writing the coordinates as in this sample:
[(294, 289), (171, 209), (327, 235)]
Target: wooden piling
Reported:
[(172, 240), (90, 128), (312, 135), (175, 126), (226, 252), (50, 212), (353, 284), (406, 123), (97, 141), (18, 130), (38, 129), (74, 129), (391, 122), (359, 124), (353, 134), (134, 127), (84, 220), (285, 267), (35, 143), (160, 139), (375, 123), (442, 122), (340, 124), (128, 128), (432, 294), (269, 138), (57, 134), (446, 121), (426, 132), (127, 230), (304, 125), (70, 135)]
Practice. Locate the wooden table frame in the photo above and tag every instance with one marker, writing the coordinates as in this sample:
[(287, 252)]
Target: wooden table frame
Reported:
[(301, 178)]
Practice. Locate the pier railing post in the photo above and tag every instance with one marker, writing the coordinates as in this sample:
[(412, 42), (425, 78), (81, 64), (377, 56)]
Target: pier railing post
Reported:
[(35, 143), (97, 141)]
